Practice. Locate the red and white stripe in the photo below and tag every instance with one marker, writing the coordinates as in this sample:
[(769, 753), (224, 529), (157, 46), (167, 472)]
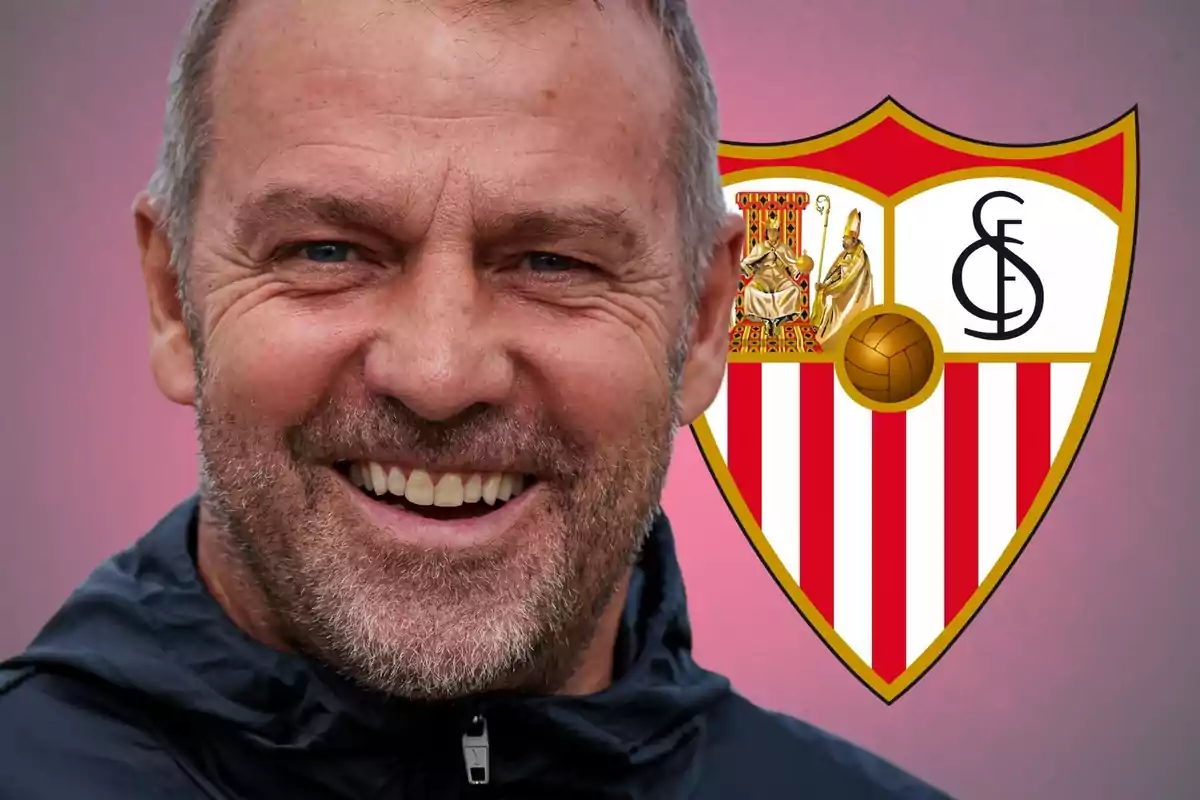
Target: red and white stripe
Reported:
[(889, 521)]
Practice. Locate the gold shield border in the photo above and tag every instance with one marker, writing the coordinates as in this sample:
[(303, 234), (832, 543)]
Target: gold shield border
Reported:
[(1101, 360)]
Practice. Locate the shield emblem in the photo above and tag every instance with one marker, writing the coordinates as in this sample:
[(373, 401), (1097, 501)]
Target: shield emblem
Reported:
[(923, 329)]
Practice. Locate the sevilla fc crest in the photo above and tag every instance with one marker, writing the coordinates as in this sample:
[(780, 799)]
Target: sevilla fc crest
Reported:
[(922, 332)]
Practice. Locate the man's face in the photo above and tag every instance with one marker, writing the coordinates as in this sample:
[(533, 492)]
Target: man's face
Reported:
[(438, 249), (849, 241), (773, 235)]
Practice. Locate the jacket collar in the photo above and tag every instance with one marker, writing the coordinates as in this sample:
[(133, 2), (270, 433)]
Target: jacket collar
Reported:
[(145, 622)]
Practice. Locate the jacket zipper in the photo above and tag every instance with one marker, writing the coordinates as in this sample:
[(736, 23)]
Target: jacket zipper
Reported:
[(475, 750)]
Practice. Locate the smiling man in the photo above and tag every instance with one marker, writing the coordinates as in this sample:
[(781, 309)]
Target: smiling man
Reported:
[(441, 280)]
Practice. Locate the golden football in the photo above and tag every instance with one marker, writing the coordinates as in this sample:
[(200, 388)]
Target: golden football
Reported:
[(889, 358)]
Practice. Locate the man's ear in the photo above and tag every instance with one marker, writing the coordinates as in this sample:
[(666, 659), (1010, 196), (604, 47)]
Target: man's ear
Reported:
[(705, 366), (172, 358)]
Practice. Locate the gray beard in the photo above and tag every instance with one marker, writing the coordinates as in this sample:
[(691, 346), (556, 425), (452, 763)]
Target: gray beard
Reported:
[(431, 624)]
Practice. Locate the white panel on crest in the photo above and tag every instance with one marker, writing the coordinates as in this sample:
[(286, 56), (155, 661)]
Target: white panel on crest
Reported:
[(997, 462), (812, 224), (781, 463), (1070, 244), (925, 525), (1066, 388), (852, 522), (717, 417)]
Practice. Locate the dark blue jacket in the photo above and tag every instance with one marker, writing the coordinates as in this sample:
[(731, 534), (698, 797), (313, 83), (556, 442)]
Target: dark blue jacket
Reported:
[(141, 688)]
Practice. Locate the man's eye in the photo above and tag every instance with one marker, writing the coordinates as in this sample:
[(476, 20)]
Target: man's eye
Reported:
[(327, 252), (551, 263)]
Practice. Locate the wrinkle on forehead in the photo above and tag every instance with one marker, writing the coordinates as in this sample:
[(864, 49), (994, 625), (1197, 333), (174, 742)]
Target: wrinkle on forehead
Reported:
[(364, 73), (408, 62), (439, 39), (388, 80)]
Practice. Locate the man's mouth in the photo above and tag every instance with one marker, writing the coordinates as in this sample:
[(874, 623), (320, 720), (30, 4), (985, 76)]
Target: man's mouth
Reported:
[(445, 495)]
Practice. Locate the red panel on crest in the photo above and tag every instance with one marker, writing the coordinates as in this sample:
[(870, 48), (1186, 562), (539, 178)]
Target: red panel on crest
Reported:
[(888, 486), (1033, 433), (745, 433), (962, 485), (889, 158)]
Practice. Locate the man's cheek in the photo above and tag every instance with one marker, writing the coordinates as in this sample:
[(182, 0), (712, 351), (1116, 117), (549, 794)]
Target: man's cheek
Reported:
[(603, 396), (279, 369)]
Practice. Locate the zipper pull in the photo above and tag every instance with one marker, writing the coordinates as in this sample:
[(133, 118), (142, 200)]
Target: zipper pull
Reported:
[(475, 751)]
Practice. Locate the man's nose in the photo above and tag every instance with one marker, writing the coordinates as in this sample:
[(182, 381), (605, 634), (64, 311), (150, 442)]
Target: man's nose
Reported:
[(438, 351)]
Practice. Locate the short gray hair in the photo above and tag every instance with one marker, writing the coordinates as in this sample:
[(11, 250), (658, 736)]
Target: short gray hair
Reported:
[(175, 184)]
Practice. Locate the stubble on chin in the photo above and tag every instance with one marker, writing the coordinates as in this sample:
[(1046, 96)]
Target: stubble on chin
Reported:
[(419, 623)]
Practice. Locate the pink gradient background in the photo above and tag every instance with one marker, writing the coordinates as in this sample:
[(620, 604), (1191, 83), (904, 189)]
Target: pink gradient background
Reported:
[(1080, 677)]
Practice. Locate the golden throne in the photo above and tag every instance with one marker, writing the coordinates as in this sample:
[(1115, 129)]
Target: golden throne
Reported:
[(796, 335)]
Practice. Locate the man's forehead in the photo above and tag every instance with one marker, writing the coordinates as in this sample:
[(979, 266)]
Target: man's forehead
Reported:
[(528, 47), (506, 91)]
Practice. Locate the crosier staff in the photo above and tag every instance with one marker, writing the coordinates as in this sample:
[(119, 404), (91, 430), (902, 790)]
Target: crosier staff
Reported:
[(823, 208)]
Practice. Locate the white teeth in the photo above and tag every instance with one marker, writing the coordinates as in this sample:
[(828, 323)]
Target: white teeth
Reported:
[(473, 490), (452, 489), (491, 488), (419, 490), (396, 482), (449, 491), (378, 479)]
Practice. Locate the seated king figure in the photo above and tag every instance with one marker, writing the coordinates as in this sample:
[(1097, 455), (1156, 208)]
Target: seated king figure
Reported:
[(847, 290), (773, 295)]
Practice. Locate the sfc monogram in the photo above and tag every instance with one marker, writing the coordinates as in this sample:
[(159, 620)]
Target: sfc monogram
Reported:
[(894, 422)]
